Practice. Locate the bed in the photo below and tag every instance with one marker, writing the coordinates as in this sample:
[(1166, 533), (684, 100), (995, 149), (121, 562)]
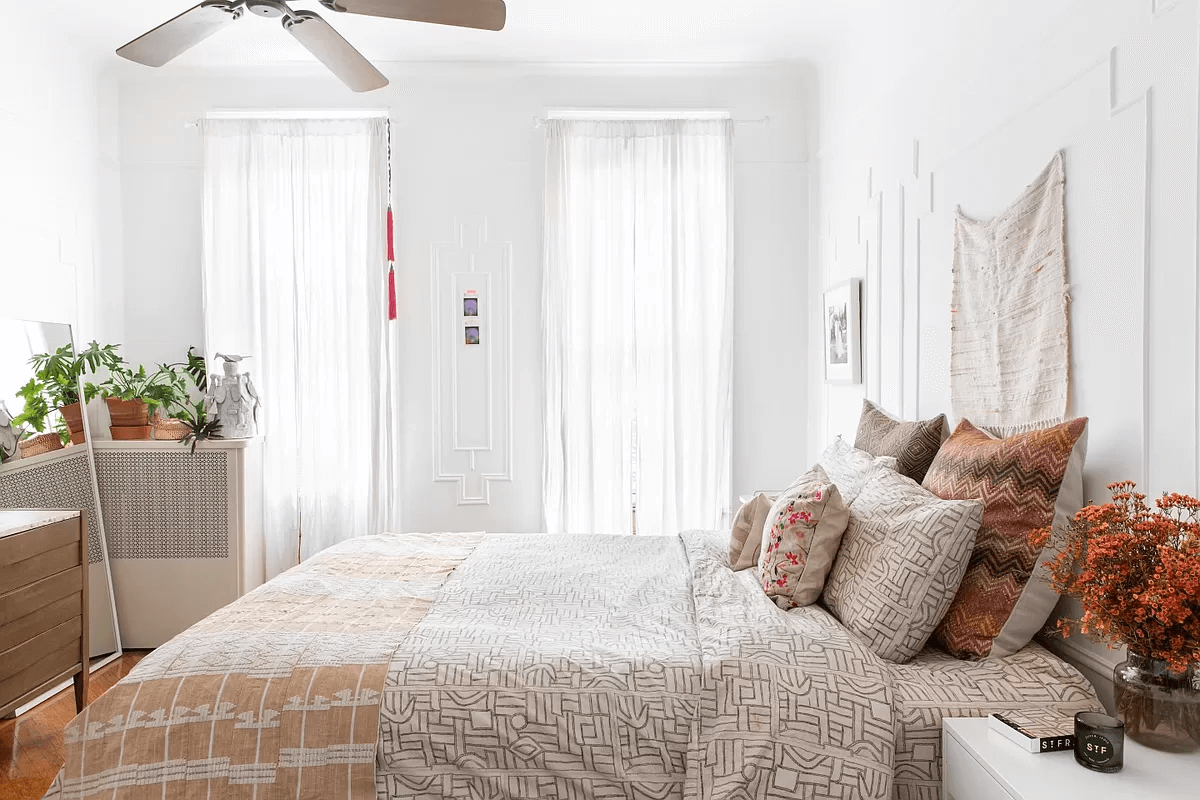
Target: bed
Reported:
[(422, 666)]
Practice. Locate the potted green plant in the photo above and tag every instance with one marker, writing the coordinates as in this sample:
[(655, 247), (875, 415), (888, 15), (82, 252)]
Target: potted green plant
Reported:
[(56, 385), (132, 397), (176, 398), (200, 426)]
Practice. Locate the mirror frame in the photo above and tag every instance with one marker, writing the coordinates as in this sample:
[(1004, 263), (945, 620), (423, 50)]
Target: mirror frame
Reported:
[(95, 489)]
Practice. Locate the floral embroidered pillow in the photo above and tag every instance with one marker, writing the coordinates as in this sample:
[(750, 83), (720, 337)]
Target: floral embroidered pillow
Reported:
[(800, 540)]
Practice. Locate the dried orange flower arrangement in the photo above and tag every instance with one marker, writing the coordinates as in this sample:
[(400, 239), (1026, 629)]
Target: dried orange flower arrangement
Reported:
[(1138, 576)]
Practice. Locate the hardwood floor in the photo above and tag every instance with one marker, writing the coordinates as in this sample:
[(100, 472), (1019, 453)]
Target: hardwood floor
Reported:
[(31, 746)]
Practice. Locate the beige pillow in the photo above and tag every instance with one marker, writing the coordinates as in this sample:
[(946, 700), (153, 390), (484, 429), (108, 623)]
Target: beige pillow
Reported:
[(902, 559), (800, 540), (850, 468), (745, 542), (913, 444)]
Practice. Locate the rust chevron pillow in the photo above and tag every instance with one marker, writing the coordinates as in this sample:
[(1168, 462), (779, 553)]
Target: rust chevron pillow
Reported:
[(1026, 482), (912, 444)]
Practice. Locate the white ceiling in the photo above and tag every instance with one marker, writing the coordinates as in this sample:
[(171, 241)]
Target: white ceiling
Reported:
[(679, 31)]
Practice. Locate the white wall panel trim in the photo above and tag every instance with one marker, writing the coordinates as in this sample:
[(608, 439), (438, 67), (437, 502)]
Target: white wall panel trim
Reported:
[(472, 461)]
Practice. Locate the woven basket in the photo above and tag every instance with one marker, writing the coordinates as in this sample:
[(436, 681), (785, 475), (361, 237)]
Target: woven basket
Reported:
[(168, 429), (39, 445)]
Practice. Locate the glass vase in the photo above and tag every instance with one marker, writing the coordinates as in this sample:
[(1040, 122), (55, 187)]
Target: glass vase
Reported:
[(1160, 707)]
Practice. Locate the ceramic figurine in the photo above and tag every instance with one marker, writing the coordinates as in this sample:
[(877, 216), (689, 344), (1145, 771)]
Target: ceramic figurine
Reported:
[(233, 400), (9, 438)]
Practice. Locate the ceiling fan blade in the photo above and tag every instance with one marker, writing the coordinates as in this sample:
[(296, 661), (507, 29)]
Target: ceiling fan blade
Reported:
[(172, 39), (488, 15), (332, 50)]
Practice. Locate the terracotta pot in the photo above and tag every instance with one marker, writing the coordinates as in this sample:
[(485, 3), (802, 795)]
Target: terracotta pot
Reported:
[(133, 415), (168, 429), (37, 445), (130, 433), (73, 415)]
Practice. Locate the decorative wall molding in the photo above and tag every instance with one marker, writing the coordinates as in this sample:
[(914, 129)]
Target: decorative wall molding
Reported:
[(1146, 101), (901, 297), (917, 326), (875, 260), (1159, 8), (1196, 272), (472, 385)]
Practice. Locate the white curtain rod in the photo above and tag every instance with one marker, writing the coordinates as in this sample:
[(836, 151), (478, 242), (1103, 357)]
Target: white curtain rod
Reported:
[(541, 122)]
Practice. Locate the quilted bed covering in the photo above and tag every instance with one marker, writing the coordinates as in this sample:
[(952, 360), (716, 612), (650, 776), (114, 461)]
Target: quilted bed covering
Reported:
[(574, 668), (582, 668)]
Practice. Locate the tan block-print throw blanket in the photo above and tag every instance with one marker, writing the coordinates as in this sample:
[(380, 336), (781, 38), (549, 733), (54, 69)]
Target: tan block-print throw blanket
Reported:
[(274, 696), (1009, 342)]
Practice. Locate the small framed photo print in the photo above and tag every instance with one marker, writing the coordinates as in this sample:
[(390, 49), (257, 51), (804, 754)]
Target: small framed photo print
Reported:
[(470, 306), (843, 333), (472, 336)]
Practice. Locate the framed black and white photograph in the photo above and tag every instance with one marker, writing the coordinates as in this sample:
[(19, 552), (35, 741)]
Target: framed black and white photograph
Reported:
[(843, 341)]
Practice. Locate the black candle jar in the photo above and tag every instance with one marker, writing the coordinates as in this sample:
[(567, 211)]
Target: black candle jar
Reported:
[(1099, 741)]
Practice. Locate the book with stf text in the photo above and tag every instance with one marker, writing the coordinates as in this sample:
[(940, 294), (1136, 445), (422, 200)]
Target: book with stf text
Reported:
[(1035, 732)]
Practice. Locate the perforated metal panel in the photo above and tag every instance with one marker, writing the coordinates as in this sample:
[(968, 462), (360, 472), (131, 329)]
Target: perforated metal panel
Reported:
[(56, 482), (165, 505)]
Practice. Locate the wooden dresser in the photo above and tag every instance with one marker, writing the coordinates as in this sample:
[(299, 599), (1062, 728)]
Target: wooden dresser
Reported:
[(43, 604)]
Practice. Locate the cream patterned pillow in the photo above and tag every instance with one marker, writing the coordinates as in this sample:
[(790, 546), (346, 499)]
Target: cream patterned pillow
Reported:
[(903, 556), (850, 468), (803, 530), (745, 541)]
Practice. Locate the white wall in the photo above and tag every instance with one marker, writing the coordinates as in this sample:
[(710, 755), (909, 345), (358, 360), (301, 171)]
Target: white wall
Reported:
[(57, 157), (966, 109), (466, 150)]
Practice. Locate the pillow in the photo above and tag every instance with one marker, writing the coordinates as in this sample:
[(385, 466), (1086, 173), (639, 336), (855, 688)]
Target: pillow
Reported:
[(902, 558), (745, 542), (850, 468), (913, 444), (1027, 482), (804, 528)]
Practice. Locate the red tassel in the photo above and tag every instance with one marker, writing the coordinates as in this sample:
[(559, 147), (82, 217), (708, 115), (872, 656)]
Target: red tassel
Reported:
[(392, 294), (391, 233)]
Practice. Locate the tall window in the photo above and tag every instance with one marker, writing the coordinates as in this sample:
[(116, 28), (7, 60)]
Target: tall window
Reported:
[(638, 314), (294, 264)]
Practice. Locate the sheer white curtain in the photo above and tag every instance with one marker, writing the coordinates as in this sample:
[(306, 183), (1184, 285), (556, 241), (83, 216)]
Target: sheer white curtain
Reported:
[(294, 276), (638, 324)]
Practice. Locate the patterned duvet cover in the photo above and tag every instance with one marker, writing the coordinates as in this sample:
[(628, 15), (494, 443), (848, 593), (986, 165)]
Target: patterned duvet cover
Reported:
[(611, 667)]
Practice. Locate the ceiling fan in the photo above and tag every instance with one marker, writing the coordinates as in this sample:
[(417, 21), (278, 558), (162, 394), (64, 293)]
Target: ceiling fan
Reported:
[(187, 30)]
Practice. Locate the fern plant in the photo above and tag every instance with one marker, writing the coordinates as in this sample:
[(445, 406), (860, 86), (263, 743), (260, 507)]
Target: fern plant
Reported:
[(56, 382), (200, 427)]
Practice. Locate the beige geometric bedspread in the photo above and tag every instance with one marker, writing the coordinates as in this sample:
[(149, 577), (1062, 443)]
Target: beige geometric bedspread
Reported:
[(274, 696), (598, 667)]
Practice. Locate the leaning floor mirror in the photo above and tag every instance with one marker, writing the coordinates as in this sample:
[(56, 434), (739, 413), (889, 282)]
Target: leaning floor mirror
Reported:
[(46, 450)]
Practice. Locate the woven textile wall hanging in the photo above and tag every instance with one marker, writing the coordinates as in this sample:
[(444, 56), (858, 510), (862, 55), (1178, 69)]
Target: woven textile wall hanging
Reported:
[(1009, 345)]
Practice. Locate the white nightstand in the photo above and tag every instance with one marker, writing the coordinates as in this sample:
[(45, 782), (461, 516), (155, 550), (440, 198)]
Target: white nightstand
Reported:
[(981, 765)]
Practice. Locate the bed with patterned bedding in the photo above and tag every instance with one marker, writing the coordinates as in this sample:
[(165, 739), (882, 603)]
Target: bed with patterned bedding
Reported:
[(576, 667)]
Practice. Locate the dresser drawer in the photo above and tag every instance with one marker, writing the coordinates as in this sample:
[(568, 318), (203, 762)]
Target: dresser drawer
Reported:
[(32, 610), (42, 658), (28, 557)]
